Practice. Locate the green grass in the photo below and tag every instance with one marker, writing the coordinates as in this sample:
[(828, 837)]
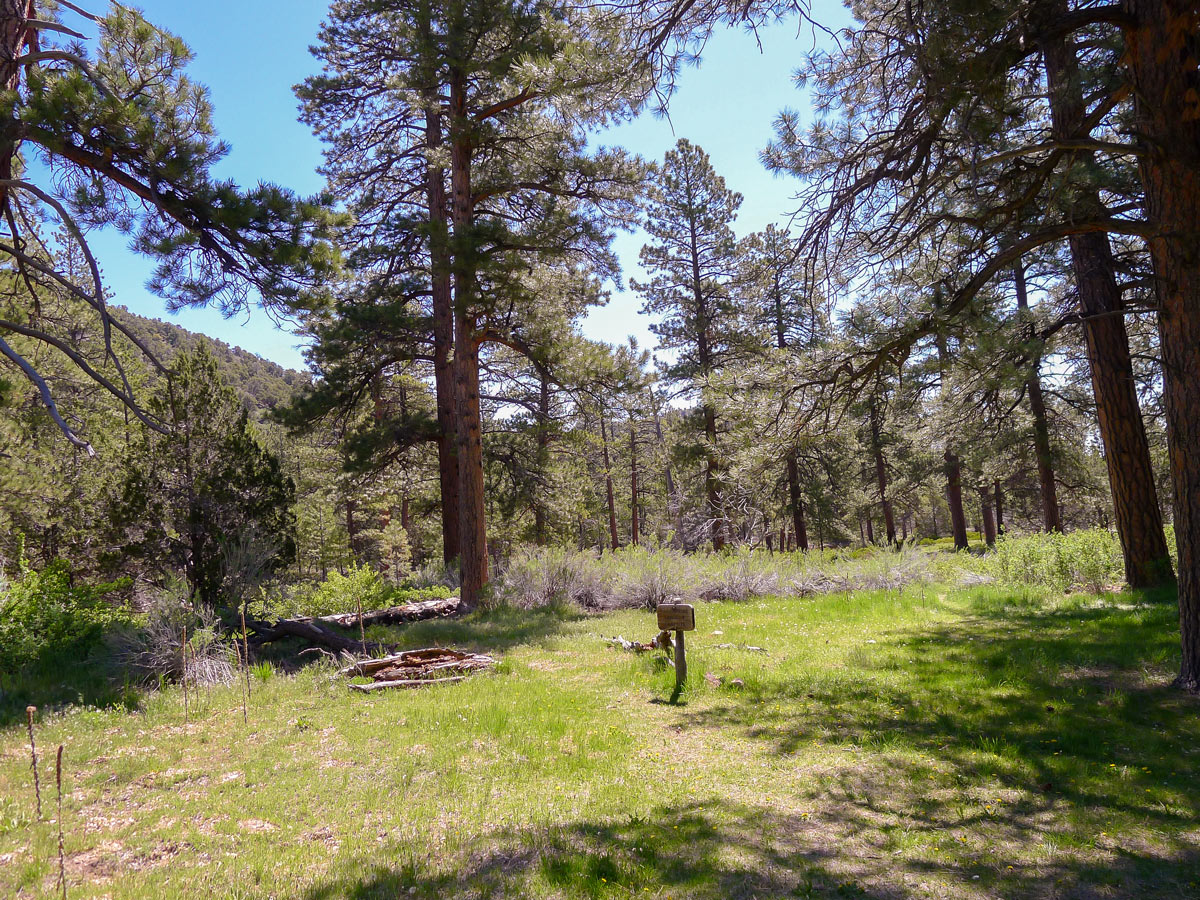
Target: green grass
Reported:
[(999, 743)]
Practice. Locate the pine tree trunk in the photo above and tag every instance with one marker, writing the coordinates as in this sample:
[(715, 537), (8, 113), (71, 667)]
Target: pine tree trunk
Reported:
[(473, 557), (989, 523), (673, 508), (712, 479), (1126, 450), (889, 522), (634, 523), (472, 525), (15, 34), (543, 458), (796, 501), (608, 487), (1163, 49), (958, 519), (1041, 428), (443, 341), (999, 509), (870, 530), (351, 529)]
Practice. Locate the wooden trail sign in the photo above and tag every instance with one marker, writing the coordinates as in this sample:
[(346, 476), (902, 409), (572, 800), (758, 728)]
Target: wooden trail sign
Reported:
[(678, 617)]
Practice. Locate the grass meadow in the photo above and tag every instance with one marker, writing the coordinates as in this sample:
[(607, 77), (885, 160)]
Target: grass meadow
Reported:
[(924, 741)]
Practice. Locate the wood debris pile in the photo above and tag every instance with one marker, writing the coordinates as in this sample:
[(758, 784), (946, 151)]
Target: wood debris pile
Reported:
[(416, 668), (661, 642)]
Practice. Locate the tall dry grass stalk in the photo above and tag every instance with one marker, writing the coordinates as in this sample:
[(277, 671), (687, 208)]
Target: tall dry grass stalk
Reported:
[(237, 651), (245, 652), (183, 661), (62, 861), (37, 785)]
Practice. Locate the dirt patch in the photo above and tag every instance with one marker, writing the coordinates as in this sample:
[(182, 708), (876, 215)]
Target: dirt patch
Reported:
[(256, 825)]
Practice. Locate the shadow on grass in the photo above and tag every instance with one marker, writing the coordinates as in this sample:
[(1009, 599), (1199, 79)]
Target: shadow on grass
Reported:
[(1070, 708), (721, 850), (65, 681)]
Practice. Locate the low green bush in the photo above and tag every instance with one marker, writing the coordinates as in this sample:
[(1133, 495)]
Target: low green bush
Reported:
[(1089, 559), (48, 615), (342, 592)]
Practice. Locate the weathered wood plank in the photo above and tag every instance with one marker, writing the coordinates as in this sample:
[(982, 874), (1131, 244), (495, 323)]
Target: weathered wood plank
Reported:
[(676, 617)]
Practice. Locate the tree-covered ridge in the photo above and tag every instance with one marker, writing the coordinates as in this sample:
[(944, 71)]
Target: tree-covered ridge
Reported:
[(261, 384)]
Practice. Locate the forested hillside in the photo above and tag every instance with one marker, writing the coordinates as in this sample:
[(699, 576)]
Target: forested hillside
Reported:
[(261, 384)]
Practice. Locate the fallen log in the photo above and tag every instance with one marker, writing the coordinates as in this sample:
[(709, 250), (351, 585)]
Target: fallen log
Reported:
[(315, 630), (662, 641), (308, 630), (397, 615)]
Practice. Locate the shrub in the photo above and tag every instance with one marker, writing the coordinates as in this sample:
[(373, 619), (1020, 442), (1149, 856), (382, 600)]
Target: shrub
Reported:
[(150, 649), (338, 593), (637, 577), (1088, 559), (46, 615)]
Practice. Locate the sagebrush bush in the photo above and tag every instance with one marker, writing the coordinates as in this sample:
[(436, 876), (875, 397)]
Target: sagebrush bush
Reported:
[(150, 649), (638, 577)]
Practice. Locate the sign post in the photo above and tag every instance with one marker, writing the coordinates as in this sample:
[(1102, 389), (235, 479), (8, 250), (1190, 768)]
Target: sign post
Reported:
[(677, 617)]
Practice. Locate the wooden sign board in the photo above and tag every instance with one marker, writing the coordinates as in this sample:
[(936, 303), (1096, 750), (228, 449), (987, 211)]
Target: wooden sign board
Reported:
[(676, 617)]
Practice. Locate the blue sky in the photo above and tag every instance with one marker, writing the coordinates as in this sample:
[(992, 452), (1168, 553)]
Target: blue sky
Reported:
[(250, 54)]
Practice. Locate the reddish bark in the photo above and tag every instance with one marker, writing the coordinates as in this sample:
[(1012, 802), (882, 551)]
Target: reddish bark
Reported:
[(443, 341), (958, 519), (1162, 52), (472, 526), (1126, 450), (989, 523), (634, 524)]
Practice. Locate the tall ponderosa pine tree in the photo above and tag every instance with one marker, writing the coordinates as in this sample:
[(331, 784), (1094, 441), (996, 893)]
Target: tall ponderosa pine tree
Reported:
[(466, 133), (693, 263), (791, 317)]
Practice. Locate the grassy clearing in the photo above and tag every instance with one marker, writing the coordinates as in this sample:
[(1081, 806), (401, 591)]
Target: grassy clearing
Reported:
[(924, 743)]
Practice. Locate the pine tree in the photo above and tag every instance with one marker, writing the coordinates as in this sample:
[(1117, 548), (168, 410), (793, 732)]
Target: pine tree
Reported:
[(190, 494), (127, 140), (446, 92), (692, 261)]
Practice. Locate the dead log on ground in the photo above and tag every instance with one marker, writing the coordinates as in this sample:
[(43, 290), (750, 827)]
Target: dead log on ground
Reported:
[(308, 630), (316, 630), (397, 615), (662, 641)]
